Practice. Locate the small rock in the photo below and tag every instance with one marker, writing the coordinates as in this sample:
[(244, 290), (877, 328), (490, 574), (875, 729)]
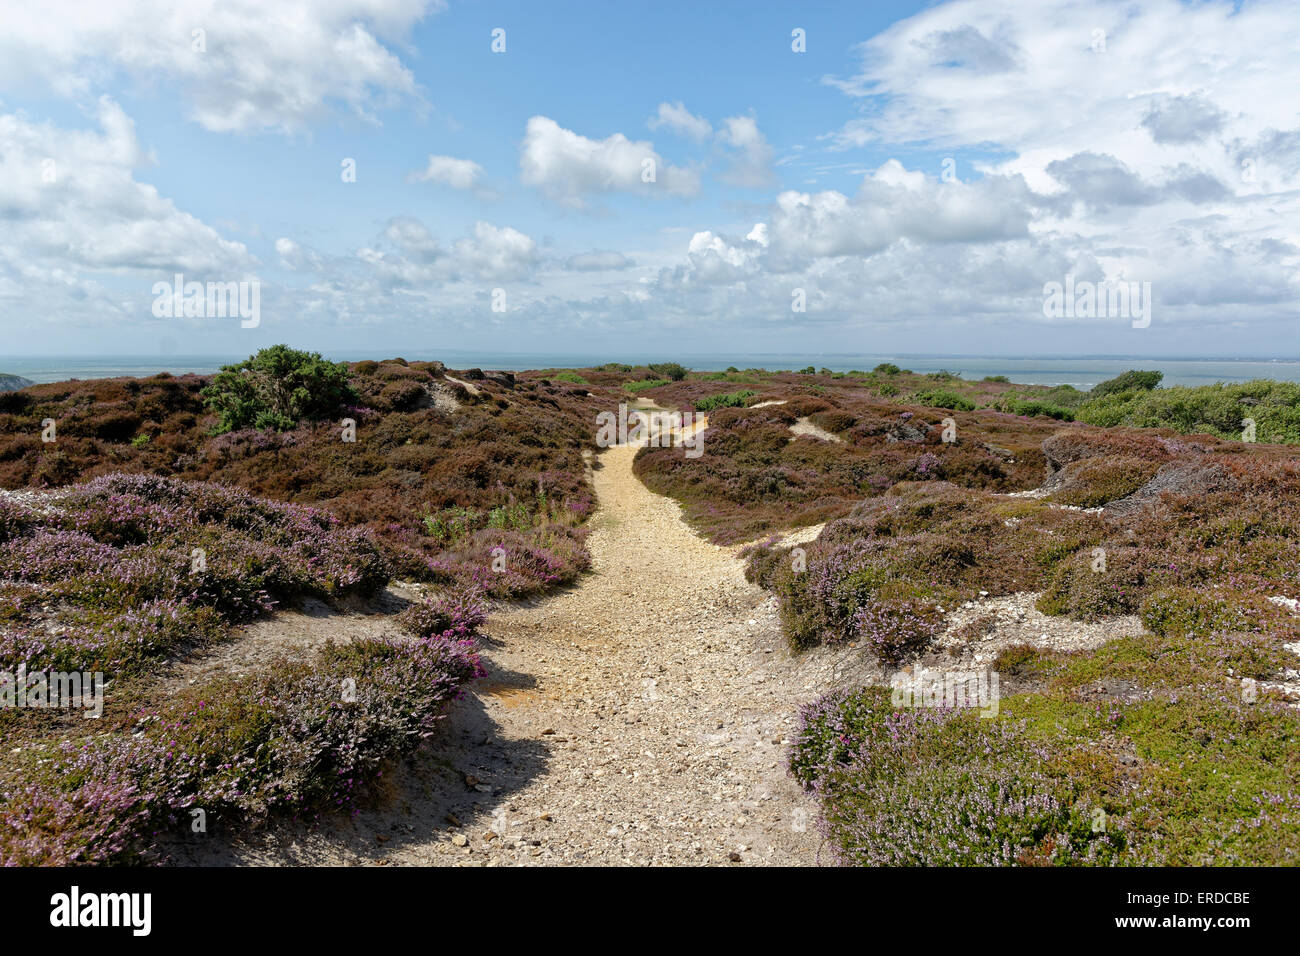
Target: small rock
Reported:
[(460, 839)]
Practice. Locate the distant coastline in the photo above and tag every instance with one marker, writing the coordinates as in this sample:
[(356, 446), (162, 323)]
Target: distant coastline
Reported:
[(1082, 373)]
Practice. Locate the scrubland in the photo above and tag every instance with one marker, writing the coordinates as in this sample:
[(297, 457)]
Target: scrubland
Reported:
[(167, 512)]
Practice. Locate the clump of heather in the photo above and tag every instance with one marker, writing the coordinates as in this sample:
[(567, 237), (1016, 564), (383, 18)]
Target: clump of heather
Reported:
[(453, 615), (124, 571), (15, 518), (296, 737), (897, 630), (44, 824), (936, 787), (514, 564), (136, 565)]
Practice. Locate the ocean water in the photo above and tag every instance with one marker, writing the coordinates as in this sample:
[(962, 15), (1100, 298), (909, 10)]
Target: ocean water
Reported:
[(1082, 372)]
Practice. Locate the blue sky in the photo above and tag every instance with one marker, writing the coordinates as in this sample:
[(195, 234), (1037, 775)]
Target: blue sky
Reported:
[(1110, 142)]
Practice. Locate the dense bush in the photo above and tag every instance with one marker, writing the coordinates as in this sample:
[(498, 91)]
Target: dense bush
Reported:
[(727, 400), (1221, 410), (1132, 380), (278, 388), (669, 370), (942, 398)]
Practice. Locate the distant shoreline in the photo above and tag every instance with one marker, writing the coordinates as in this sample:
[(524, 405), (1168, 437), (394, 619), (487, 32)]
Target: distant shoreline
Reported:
[(1081, 372)]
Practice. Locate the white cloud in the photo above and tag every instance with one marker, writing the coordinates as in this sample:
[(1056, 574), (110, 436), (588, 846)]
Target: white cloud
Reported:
[(895, 204), (406, 254), (569, 168), (598, 260), (70, 201), (1182, 119), (752, 157), (449, 171), (676, 118), (264, 65)]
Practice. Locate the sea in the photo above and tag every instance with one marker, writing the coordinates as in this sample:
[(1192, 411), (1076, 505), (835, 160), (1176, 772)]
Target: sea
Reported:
[(1083, 372)]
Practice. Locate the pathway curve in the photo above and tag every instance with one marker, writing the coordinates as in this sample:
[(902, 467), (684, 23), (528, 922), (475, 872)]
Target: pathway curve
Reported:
[(641, 717)]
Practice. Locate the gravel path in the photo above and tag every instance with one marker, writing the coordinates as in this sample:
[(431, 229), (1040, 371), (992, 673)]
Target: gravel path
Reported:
[(641, 717)]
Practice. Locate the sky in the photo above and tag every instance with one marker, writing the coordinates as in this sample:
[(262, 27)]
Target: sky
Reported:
[(651, 178)]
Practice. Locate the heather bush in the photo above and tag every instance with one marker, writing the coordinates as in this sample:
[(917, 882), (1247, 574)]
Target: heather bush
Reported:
[(454, 616), (1079, 590), (938, 788), (1033, 408), (897, 630), (118, 555), (514, 564), (290, 738), (1090, 482), (1182, 776)]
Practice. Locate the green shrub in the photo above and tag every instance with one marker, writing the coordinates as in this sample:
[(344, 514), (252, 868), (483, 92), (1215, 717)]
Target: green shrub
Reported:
[(727, 400), (942, 398), (276, 389), (1182, 611), (669, 370), (1081, 592), (644, 384), (1032, 408), (1128, 381)]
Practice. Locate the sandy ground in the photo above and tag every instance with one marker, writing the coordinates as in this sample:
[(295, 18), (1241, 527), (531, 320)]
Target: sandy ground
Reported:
[(641, 717), (804, 426)]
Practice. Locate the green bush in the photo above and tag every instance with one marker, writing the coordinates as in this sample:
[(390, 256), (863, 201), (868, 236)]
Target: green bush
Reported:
[(669, 370), (1219, 409), (1128, 381), (727, 400), (942, 398), (644, 384), (1032, 408), (276, 389)]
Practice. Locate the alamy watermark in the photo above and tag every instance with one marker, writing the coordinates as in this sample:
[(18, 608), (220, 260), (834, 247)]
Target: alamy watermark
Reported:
[(657, 429), (213, 300), (25, 690), (1083, 299), (947, 689)]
